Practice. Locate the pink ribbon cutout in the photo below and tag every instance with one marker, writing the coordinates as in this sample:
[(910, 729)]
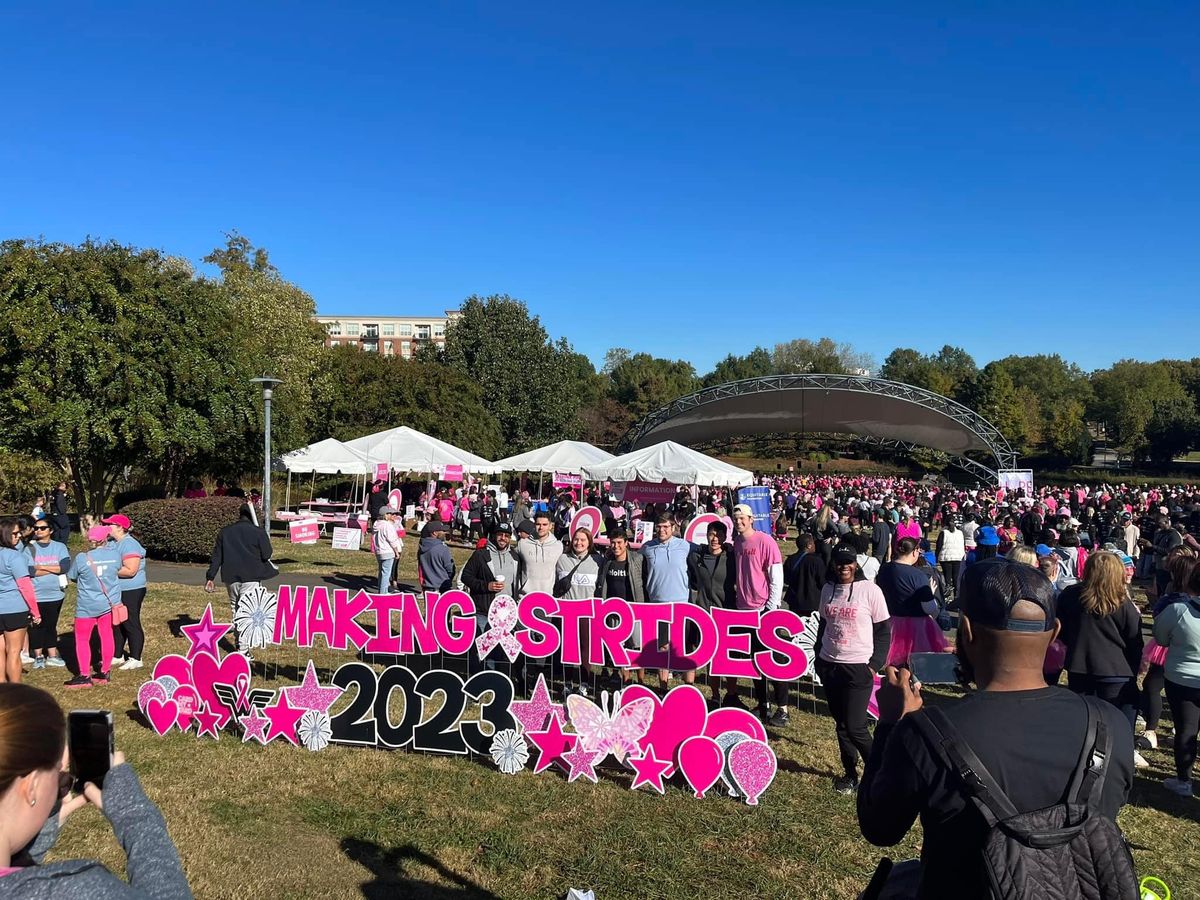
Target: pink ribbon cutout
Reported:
[(502, 618)]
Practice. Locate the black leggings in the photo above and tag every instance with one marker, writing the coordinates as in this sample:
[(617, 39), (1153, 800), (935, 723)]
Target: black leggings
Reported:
[(131, 628), (950, 570), (45, 636), (1152, 688), (847, 691), (1185, 710), (1121, 694)]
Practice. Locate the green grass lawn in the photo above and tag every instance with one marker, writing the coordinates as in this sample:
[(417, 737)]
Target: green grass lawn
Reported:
[(278, 821)]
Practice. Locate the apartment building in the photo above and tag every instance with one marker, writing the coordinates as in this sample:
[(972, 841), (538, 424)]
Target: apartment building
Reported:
[(389, 335)]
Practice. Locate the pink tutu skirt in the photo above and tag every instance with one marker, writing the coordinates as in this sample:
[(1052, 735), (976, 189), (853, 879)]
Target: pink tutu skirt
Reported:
[(914, 634), (1154, 654)]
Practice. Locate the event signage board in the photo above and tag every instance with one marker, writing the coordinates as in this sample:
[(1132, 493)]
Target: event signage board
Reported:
[(347, 538), (381, 472), (567, 480), (452, 473), (645, 491), (652, 738), (304, 531), (1016, 480), (758, 498)]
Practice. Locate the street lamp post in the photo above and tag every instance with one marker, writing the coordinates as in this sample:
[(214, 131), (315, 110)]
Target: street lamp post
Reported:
[(268, 383)]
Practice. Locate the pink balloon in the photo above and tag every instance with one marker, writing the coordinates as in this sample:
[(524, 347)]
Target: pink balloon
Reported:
[(730, 718), (701, 762), (187, 698), (752, 765), (678, 716), (174, 666), (162, 714), (151, 689), (206, 672)]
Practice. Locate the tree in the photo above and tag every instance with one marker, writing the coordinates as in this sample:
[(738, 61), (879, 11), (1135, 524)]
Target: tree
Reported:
[(1126, 396), (642, 383), (1053, 396), (1173, 429), (825, 356), (754, 364), (534, 386), (110, 357), (950, 372), (374, 390)]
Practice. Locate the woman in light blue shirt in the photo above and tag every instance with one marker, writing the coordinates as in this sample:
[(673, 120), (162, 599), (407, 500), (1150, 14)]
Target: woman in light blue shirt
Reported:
[(133, 592), (49, 561), (18, 602)]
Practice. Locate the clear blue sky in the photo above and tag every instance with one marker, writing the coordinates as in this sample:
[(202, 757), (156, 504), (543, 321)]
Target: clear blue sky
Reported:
[(687, 179)]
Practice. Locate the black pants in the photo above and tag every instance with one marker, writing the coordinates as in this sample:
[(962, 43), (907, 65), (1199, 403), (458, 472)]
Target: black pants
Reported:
[(1185, 710), (1152, 688), (60, 530), (131, 628), (1121, 694), (45, 636), (847, 691), (950, 570)]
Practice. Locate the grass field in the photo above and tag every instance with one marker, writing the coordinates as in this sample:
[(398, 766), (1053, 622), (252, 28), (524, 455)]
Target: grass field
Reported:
[(277, 821)]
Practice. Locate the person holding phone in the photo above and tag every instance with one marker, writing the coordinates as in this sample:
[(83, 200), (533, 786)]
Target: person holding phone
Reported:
[(34, 805), (95, 574), (18, 601)]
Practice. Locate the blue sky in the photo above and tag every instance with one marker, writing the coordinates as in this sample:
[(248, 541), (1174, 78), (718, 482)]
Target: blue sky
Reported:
[(687, 179)]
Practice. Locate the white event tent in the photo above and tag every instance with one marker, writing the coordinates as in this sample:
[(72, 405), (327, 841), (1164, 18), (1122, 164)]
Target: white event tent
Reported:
[(405, 449), (671, 462), (563, 456), (327, 457)]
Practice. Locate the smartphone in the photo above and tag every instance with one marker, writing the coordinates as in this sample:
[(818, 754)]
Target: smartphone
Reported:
[(934, 668), (90, 739)]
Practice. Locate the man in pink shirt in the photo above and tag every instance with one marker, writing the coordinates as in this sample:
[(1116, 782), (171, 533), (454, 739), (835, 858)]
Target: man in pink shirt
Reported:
[(759, 585)]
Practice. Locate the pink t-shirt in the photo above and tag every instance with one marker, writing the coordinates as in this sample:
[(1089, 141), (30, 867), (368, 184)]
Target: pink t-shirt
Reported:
[(754, 556), (912, 530), (850, 612)]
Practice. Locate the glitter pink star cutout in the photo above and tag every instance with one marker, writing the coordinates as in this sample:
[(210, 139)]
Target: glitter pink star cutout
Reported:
[(649, 770), (206, 722), (204, 635), (552, 744), (255, 724), (284, 718), (309, 694), (532, 713), (582, 762)]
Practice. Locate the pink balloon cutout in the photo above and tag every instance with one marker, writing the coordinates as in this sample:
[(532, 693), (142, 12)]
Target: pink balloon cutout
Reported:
[(174, 665), (731, 718), (701, 762), (752, 765), (151, 689), (187, 698), (678, 716)]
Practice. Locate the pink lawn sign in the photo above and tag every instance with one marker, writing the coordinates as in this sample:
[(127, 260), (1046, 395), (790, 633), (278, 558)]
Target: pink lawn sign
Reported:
[(305, 531), (452, 473)]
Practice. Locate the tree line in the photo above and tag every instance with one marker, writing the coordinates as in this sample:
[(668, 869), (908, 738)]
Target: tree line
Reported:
[(122, 364)]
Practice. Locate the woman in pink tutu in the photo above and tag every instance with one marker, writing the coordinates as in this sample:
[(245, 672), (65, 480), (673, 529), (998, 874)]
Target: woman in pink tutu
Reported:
[(911, 598)]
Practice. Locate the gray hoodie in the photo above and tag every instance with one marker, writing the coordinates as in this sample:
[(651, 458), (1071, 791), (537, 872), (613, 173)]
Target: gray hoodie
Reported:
[(436, 564), (540, 558), (152, 863)]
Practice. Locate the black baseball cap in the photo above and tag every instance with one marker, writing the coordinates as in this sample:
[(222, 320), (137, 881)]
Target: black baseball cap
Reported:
[(501, 528), (992, 587), (435, 527), (843, 555)]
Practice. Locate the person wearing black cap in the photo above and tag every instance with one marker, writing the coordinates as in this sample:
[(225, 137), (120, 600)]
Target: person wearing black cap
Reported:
[(435, 565), (852, 640), (1028, 736)]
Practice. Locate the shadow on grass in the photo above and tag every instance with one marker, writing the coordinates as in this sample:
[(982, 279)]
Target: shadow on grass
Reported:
[(387, 866)]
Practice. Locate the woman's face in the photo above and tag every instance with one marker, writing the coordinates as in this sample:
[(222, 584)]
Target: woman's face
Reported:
[(844, 572), (579, 543)]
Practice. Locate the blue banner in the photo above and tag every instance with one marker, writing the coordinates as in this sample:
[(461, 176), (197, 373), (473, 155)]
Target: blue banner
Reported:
[(758, 498)]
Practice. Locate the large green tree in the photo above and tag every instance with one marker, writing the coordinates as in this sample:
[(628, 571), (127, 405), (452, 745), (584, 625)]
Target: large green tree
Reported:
[(1127, 395), (754, 364), (642, 383), (534, 386), (823, 356), (114, 357), (950, 372)]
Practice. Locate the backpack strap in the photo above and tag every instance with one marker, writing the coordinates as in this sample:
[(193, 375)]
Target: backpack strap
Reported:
[(989, 797), (1088, 780)]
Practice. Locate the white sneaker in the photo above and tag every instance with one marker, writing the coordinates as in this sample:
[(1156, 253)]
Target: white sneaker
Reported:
[(1147, 740), (26, 659), (1175, 786), (1139, 761), (117, 661), (55, 662), (132, 663)]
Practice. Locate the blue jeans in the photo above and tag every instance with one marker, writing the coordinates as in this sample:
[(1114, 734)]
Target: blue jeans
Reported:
[(385, 573)]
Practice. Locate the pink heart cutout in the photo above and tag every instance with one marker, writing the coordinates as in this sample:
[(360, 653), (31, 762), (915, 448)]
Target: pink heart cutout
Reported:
[(730, 718), (187, 698), (677, 717), (206, 672), (175, 666), (162, 714), (148, 690)]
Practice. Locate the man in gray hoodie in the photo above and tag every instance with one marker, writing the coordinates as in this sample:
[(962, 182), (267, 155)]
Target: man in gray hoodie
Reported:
[(434, 562), (539, 555)]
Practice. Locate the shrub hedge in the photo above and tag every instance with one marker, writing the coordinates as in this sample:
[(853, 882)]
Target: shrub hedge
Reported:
[(181, 530), (142, 492)]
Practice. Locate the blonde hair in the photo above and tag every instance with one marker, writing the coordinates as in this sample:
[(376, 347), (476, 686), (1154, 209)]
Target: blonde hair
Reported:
[(1103, 591), (1022, 554)]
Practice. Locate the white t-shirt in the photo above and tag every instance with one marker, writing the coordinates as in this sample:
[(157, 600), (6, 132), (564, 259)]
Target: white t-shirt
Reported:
[(387, 540)]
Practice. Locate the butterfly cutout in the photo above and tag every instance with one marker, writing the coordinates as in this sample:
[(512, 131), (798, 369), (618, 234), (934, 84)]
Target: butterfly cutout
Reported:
[(613, 732)]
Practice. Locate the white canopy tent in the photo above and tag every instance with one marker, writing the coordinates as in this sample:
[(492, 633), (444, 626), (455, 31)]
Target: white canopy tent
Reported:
[(671, 462), (405, 449), (327, 457), (563, 456)]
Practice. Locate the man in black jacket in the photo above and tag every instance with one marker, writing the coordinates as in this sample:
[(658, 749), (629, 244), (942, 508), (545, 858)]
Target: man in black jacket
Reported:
[(59, 519), (804, 576), (881, 537), (242, 554)]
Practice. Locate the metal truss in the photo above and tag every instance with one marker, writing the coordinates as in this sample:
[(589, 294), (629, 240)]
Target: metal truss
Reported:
[(996, 443)]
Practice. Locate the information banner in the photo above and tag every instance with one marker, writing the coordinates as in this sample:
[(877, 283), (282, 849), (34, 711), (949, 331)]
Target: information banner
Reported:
[(1016, 480), (304, 531), (646, 491), (758, 498), (347, 538), (568, 481)]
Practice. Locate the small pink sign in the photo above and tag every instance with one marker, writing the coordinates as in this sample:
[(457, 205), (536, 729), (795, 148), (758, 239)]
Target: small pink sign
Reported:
[(649, 492), (381, 472), (452, 473), (568, 480), (304, 532)]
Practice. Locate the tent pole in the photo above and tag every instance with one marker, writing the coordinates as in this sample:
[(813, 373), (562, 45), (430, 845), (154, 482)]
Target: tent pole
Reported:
[(312, 485), (287, 500)]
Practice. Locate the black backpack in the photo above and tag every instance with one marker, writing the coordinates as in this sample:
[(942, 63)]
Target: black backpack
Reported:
[(1063, 852)]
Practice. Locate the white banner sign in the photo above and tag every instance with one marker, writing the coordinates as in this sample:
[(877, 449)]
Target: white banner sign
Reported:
[(347, 538)]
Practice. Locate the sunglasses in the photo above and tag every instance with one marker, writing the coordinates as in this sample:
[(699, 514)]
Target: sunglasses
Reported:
[(41, 528)]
